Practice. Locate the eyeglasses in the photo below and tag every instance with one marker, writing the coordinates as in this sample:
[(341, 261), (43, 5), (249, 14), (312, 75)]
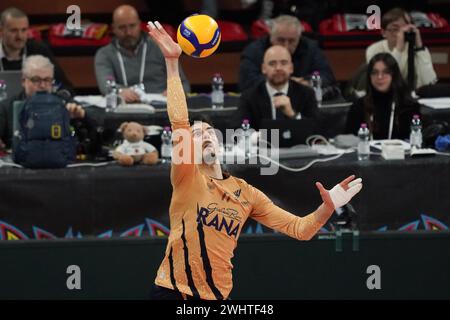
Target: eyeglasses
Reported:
[(393, 29), (274, 63), (382, 73), (285, 40), (38, 80)]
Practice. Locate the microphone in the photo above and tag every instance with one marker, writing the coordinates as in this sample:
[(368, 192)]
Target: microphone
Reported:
[(64, 94)]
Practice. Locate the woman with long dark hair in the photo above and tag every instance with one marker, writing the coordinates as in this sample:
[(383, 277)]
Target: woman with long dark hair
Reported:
[(388, 106)]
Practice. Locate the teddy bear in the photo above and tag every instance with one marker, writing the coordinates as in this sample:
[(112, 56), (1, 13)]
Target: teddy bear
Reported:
[(134, 149)]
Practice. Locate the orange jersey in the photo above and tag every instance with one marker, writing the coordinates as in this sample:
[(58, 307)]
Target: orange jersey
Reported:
[(206, 219)]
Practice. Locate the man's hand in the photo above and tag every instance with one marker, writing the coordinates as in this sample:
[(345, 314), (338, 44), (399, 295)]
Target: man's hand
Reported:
[(341, 194), (301, 80), (76, 111), (284, 103), (129, 95)]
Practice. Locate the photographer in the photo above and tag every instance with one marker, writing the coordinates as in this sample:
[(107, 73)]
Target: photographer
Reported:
[(396, 27)]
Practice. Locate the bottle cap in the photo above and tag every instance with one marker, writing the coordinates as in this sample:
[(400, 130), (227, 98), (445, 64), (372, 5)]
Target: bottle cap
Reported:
[(416, 116), (245, 121), (363, 125)]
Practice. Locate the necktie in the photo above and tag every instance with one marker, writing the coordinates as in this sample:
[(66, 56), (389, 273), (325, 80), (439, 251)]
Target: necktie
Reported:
[(278, 113)]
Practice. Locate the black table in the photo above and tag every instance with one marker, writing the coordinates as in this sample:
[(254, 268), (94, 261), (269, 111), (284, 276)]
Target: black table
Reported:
[(117, 201)]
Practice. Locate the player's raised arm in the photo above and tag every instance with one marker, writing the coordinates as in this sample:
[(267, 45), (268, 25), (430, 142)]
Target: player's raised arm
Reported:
[(176, 100)]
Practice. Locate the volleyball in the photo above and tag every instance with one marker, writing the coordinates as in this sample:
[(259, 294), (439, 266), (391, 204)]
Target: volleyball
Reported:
[(198, 36)]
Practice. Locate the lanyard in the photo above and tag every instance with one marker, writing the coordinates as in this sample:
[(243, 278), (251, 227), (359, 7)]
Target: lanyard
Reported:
[(142, 68), (391, 120)]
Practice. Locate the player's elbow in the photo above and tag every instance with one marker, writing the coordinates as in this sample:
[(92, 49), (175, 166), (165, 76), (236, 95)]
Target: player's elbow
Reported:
[(307, 236)]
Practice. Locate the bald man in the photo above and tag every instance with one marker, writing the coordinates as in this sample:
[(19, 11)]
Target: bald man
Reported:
[(277, 97), (132, 58)]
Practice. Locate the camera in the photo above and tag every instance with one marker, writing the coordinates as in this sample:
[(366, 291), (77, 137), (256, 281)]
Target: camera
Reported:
[(410, 37)]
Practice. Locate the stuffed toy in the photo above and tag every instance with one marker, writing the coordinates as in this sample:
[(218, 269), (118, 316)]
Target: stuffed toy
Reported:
[(134, 149)]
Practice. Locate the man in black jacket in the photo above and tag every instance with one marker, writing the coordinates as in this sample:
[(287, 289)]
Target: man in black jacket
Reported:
[(15, 46), (306, 55), (277, 97)]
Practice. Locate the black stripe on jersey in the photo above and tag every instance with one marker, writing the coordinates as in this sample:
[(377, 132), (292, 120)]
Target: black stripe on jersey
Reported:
[(172, 276), (187, 267), (206, 263)]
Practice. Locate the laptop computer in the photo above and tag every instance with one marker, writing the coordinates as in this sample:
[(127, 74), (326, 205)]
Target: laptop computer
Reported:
[(13, 80), (291, 132)]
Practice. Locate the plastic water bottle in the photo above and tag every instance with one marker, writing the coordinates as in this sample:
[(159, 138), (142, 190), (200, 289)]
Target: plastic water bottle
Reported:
[(317, 86), (415, 138), (245, 142), (363, 144), (111, 94), (3, 93), (217, 95), (166, 144)]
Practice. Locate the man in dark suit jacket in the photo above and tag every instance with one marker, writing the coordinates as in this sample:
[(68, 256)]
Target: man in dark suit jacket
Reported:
[(306, 55), (15, 47), (277, 97)]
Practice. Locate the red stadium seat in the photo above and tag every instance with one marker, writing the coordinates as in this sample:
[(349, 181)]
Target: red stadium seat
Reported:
[(34, 33), (93, 34), (231, 31)]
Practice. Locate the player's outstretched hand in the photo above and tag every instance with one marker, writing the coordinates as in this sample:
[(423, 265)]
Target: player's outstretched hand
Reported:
[(341, 193), (169, 48)]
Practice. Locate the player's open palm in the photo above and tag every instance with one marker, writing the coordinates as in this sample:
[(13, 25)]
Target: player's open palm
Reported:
[(169, 48), (341, 193)]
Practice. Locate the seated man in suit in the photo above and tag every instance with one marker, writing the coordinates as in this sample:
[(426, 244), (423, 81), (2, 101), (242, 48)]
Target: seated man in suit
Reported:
[(277, 97), (37, 75), (15, 46)]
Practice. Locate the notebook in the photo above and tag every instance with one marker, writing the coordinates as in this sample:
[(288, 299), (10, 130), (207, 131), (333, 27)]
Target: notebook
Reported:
[(13, 80), (291, 132)]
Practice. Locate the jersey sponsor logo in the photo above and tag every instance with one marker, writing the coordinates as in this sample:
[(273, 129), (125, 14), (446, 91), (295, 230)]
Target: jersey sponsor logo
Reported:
[(222, 219), (237, 193)]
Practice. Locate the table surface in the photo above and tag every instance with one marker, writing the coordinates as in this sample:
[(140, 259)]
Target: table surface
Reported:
[(119, 201)]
